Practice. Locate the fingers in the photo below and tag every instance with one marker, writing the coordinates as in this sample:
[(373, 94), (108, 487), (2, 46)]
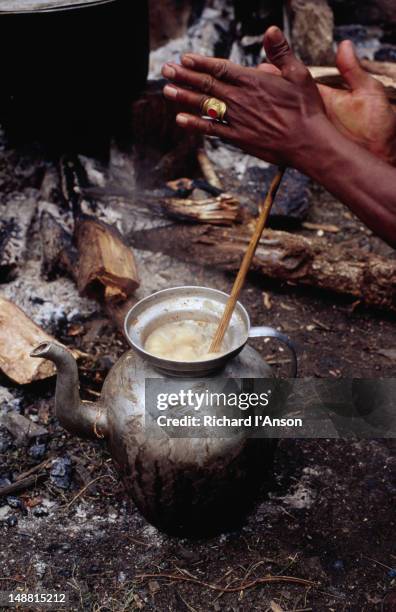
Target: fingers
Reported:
[(185, 96), (220, 69), (205, 126), (205, 83), (279, 53), (350, 68)]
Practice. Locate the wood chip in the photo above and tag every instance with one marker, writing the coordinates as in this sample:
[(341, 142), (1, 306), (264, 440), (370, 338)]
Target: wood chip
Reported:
[(331, 229), (267, 300)]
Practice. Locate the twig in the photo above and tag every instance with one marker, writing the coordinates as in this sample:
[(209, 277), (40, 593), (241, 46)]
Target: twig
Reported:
[(81, 491), (379, 563), (34, 469), (240, 587), (246, 262)]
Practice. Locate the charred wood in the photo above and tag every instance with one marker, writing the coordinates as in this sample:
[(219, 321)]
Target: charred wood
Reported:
[(59, 256), (17, 214)]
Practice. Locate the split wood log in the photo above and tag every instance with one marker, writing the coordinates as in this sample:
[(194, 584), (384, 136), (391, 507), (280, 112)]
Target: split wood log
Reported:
[(331, 77), (106, 268), (288, 257), (19, 335), (224, 209), (106, 265)]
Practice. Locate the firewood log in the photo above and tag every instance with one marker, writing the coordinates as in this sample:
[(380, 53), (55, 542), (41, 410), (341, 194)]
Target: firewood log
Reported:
[(106, 265), (19, 335), (283, 256)]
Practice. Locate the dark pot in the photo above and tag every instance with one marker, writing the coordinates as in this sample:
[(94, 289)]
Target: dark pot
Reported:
[(72, 68)]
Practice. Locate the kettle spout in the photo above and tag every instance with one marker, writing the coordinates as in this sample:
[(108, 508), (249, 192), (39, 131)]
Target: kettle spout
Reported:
[(86, 419)]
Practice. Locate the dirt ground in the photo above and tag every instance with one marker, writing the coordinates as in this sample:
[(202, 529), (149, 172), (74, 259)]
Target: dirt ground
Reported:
[(328, 516)]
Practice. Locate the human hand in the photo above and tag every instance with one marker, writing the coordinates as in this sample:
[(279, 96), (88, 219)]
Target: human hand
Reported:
[(276, 117), (363, 113)]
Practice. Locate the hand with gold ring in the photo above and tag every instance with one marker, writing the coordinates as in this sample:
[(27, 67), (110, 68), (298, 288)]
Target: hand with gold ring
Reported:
[(267, 115), (277, 114)]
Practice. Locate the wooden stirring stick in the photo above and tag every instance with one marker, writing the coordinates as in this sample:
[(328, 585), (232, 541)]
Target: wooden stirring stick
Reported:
[(247, 260)]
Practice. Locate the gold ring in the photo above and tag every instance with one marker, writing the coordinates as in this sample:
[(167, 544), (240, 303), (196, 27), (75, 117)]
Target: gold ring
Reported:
[(214, 108)]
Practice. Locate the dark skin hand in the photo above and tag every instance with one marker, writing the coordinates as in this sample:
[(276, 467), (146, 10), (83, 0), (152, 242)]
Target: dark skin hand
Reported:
[(362, 112), (280, 116)]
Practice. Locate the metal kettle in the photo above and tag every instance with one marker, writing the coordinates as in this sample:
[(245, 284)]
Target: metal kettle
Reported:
[(185, 486)]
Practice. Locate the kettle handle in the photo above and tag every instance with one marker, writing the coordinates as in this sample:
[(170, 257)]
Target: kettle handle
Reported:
[(270, 332)]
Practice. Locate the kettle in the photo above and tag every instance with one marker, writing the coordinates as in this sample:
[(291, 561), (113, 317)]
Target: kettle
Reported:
[(182, 485)]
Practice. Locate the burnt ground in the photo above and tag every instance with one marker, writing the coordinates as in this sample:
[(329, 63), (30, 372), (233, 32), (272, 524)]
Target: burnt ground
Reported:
[(329, 514)]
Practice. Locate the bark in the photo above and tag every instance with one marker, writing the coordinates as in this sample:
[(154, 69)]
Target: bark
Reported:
[(283, 256)]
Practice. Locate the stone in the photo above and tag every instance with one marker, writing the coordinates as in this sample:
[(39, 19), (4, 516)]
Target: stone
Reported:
[(292, 201), (14, 502), (21, 428), (61, 472), (312, 31), (40, 511), (37, 451)]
